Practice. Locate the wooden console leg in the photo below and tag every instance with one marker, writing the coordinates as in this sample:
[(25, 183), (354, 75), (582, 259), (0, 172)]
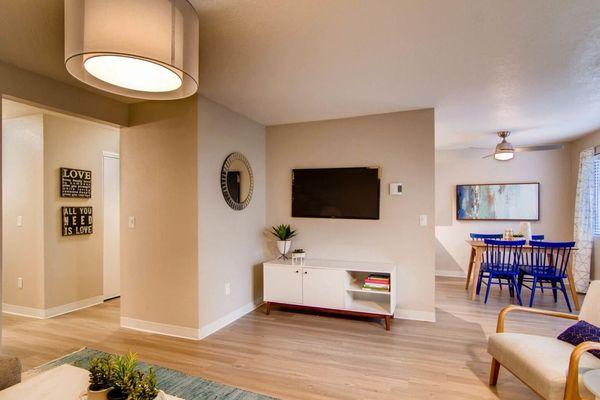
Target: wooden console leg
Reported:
[(494, 371), (388, 321), (268, 308)]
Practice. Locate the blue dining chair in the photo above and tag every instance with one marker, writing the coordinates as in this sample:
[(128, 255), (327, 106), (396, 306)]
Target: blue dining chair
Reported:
[(525, 260), (501, 259), (483, 236), (547, 262), (478, 237)]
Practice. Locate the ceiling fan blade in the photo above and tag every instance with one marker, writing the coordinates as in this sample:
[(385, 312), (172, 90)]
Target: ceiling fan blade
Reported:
[(480, 148), (488, 156), (539, 148)]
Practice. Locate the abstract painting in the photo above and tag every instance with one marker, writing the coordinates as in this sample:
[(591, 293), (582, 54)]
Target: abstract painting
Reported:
[(502, 201)]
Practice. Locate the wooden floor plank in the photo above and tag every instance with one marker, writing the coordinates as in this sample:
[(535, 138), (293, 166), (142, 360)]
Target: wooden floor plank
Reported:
[(301, 355)]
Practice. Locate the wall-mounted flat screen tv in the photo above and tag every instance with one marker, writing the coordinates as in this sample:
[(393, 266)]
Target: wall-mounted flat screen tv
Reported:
[(351, 193)]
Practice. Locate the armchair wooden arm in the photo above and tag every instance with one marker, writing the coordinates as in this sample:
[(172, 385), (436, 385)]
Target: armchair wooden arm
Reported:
[(572, 386), (511, 308)]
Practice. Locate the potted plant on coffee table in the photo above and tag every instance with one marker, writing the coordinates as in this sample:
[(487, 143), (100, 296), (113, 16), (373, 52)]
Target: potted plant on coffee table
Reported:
[(101, 377), (284, 234), (145, 388), (125, 377), (130, 383)]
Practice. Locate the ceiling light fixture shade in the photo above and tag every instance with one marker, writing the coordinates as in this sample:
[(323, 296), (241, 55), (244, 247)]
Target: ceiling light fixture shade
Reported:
[(504, 150), (145, 49), (504, 156)]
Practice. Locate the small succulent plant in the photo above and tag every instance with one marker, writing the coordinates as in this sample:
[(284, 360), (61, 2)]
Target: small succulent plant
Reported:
[(283, 232)]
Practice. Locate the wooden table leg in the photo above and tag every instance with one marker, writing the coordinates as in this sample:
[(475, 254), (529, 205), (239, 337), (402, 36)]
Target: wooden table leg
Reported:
[(268, 308), (388, 322), (470, 267), (475, 273), (572, 288)]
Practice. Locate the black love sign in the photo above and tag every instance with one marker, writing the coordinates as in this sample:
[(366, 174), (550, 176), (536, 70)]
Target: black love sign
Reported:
[(75, 183), (77, 221)]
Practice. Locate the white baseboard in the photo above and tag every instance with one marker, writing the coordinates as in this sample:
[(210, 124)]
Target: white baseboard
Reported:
[(229, 318), (42, 313), (428, 316), (77, 305), (159, 328), (451, 274), (186, 332), (23, 311)]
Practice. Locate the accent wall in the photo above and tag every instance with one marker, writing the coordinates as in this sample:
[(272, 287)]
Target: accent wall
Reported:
[(402, 144)]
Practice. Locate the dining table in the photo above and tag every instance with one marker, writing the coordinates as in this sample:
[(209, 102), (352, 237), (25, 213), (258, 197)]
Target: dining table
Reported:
[(477, 249)]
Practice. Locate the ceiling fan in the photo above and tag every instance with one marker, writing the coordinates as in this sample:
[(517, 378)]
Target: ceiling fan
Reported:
[(506, 151)]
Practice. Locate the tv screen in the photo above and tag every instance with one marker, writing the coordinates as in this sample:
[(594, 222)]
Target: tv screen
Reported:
[(351, 193)]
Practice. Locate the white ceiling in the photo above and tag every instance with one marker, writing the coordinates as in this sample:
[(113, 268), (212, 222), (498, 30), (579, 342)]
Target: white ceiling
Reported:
[(485, 65), (527, 65)]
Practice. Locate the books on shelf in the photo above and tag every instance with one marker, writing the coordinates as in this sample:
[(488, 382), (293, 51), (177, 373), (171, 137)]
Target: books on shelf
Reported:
[(377, 283)]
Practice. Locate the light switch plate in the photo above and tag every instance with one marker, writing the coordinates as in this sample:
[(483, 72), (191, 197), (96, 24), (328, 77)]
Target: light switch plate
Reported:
[(131, 222), (395, 189), (19, 220), (423, 220)]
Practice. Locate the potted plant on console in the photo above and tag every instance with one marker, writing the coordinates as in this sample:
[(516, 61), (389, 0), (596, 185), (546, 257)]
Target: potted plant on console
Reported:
[(284, 234), (101, 377), (298, 256)]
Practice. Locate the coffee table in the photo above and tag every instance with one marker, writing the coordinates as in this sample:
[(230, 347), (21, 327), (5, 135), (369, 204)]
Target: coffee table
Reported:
[(64, 382)]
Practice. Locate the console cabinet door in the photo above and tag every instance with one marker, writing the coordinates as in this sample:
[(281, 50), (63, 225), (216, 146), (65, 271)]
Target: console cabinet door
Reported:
[(282, 284), (323, 287)]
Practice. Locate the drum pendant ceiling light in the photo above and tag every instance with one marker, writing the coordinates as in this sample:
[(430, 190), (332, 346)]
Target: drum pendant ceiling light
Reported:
[(145, 49)]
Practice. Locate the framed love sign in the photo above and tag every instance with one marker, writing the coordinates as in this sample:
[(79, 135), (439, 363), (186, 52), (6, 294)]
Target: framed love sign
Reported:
[(75, 183), (77, 221)]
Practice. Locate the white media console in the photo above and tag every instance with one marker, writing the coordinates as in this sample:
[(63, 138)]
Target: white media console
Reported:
[(329, 285)]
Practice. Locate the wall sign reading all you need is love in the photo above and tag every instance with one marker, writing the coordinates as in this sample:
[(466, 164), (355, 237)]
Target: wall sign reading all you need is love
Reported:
[(77, 221)]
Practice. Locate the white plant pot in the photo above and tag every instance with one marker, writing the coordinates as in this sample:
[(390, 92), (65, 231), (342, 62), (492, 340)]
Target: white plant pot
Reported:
[(284, 246), (161, 395)]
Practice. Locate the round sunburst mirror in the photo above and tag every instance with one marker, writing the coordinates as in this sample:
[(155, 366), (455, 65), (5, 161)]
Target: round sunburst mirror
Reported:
[(237, 181)]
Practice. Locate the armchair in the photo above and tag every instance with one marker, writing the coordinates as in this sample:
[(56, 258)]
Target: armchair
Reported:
[(548, 366)]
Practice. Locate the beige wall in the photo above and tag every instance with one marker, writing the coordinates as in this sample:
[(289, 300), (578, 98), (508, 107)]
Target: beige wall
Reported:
[(23, 195), (159, 178), (403, 145), (230, 243), (453, 167), (20, 84), (73, 265)]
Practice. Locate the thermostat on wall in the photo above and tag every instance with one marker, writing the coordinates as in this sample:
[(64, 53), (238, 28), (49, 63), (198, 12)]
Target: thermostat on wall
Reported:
[(395, 189)]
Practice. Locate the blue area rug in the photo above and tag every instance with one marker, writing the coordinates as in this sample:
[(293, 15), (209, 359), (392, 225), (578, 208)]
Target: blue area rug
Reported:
[(170, 381)]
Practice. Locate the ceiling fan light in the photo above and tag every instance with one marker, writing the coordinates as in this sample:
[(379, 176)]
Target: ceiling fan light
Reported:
[(504, 155)]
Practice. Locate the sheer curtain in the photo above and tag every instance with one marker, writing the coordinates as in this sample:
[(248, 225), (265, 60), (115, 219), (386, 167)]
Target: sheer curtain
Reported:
[(584, 221)]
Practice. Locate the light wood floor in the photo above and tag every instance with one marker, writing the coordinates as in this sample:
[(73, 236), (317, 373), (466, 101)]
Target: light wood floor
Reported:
[(293, 355)]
